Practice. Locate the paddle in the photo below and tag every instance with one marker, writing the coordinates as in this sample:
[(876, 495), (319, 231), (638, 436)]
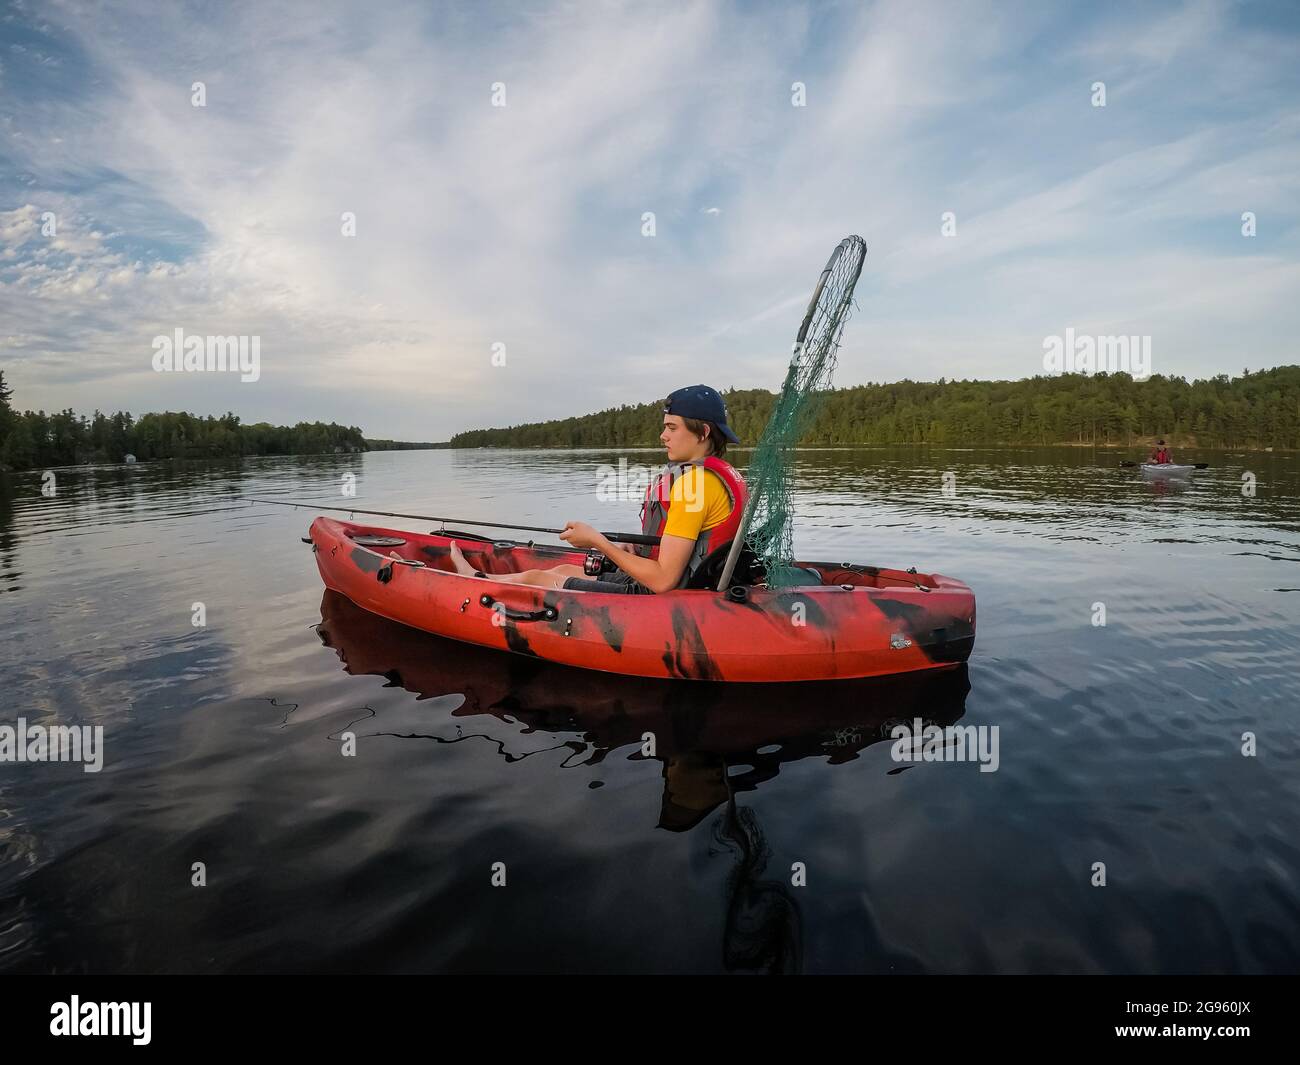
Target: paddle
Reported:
[(621, 538), (1194, 465)]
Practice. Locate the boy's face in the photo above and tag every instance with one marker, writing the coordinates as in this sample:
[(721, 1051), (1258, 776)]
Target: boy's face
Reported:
[(680, 441)]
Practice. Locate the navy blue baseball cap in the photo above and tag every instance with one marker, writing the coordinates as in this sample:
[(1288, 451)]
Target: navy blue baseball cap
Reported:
[(702, 403)]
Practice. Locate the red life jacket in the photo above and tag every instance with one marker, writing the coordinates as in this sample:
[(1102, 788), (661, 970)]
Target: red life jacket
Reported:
[(654, 513), (1162, 456)]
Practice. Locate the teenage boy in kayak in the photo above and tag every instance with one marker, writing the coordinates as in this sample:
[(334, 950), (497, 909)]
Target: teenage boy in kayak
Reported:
[(695, 507), (1160, 454)]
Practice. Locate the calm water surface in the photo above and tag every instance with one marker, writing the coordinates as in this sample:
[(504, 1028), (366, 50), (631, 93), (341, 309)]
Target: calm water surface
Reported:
[(1119, 744)]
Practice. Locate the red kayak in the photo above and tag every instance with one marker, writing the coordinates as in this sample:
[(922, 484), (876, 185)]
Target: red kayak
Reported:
[(860, 621)]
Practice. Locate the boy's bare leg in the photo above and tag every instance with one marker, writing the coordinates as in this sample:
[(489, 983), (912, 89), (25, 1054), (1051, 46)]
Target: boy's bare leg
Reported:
[(458, 560), (544, 578)]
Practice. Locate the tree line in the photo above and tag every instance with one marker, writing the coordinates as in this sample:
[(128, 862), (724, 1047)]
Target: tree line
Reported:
[(34, 439), (1255, 410), (373, 444)]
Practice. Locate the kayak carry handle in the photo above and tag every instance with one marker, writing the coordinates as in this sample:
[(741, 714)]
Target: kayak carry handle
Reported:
[(385, 572), (547, 613)]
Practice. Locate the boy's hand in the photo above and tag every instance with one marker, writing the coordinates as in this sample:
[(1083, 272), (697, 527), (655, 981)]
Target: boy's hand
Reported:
[(580, 534)]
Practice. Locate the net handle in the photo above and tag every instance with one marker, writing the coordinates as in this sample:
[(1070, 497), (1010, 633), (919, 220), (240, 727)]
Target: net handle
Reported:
[(817, 295), (733, 554)]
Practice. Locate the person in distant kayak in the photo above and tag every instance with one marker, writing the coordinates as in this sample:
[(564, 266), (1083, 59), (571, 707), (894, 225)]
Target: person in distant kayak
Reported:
[(1160, 454), (694, 506)]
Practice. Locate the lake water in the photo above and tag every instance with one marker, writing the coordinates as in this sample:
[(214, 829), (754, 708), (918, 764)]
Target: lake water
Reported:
[(1119, 744)]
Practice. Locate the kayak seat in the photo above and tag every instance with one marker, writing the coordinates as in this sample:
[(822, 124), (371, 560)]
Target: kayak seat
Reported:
[(748, 572)]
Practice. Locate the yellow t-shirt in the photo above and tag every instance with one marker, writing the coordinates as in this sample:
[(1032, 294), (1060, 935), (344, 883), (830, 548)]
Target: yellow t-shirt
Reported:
[(698, 501)]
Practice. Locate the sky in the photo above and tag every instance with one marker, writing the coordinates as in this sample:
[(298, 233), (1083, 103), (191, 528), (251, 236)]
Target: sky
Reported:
[(501, 270)]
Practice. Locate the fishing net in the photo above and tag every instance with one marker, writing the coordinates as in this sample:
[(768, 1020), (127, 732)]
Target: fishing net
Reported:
[(769, 475)]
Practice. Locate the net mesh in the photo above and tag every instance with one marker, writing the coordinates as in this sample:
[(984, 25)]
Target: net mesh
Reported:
[(769, 475)]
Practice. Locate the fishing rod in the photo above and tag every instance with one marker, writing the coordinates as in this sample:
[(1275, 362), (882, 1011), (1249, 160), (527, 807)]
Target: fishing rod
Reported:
[(620, 538)]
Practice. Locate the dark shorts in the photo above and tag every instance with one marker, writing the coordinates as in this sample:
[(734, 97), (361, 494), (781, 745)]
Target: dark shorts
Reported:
[(617, 583)]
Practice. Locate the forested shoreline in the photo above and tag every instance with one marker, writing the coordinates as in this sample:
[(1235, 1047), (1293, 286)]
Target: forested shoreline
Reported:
[(1255, 410), (37, 440)]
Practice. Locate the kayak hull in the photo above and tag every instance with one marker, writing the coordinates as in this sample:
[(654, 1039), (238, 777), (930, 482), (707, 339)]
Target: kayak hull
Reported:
[(611, 712), (862, 621), (1167, 469)]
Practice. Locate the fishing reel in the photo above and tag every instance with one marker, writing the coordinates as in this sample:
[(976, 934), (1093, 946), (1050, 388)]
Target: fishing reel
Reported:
[(595, 564)]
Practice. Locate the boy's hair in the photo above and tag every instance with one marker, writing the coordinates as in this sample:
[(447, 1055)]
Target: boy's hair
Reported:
[(717, 442)]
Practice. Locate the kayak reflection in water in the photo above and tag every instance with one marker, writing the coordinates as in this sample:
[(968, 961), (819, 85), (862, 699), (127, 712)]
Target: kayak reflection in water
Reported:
[(695, 507), (1160, 455), (716, 744), (714, 741)]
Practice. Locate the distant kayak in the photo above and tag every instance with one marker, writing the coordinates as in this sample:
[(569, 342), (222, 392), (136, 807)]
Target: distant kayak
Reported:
[(1166, 469), (849, 621)]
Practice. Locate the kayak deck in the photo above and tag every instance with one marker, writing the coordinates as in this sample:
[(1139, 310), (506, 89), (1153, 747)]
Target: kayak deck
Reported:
[(859, 621)]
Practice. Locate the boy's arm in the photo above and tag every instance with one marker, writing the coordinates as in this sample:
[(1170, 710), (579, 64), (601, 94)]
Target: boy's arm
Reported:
[(659, 575)]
